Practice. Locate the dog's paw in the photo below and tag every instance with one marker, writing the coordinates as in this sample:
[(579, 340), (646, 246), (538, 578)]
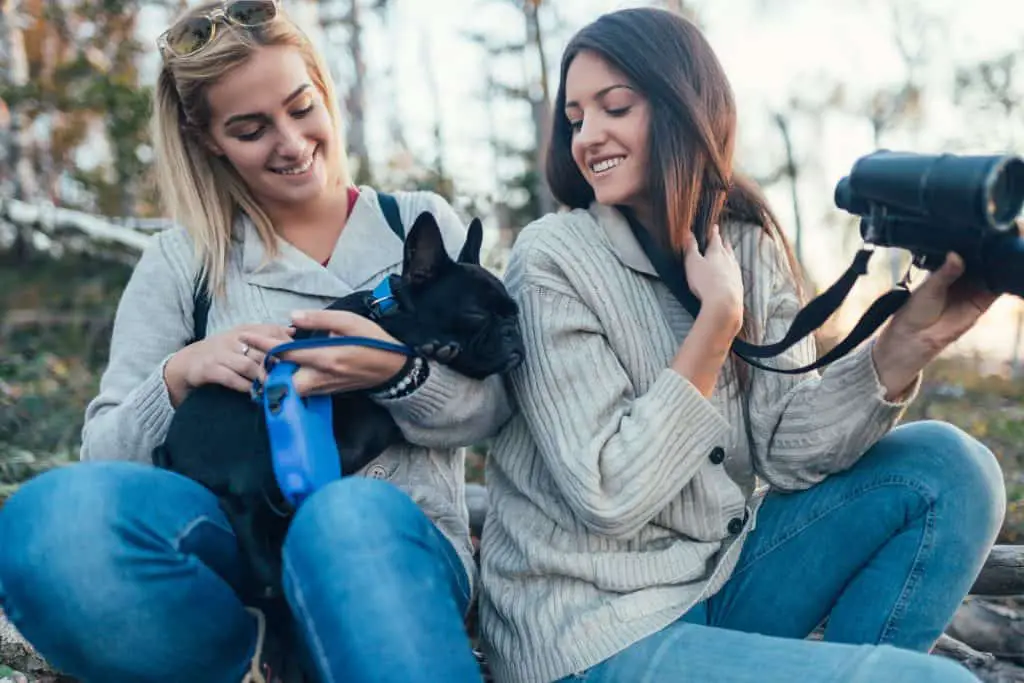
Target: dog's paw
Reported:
[(448, 352), (445, 353)]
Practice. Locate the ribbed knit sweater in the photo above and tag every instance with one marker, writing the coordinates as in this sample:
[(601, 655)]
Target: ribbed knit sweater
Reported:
[(619, 495), (131, 414)]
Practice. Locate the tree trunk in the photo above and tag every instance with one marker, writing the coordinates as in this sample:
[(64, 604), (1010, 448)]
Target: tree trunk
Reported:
[(791, 170), (355, 98), (540, 107), (12, 50)]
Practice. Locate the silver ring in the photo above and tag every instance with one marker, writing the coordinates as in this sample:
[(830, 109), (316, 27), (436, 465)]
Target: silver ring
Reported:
[(245, 349)]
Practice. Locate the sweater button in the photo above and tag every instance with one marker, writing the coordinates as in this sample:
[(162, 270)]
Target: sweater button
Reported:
[(735, 525), (377, 472), (717, 455)]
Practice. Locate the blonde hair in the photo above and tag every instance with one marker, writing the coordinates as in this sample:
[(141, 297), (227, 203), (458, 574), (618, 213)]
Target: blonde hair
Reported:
[(200, 190)]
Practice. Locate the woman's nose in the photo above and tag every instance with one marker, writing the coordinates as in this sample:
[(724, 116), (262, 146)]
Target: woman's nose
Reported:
[(291, 142)]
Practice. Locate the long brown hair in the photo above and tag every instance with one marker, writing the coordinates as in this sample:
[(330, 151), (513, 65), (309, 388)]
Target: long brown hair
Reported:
[(692, 134)]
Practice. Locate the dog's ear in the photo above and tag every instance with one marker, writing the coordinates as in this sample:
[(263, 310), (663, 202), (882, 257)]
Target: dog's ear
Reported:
[(474, 238), (424, 251)]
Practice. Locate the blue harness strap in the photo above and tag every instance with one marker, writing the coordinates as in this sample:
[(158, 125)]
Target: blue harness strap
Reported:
[(382, 299), (302, 444), (301, 431)]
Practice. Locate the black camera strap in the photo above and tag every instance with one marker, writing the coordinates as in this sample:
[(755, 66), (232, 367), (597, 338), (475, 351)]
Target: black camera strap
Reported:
[(807, 320)]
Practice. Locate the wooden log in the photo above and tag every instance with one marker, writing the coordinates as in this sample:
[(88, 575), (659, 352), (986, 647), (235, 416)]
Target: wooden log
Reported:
[(1003, 573), (948, 646), (16, 653), (990, 627), (986, 667), (52, 221)]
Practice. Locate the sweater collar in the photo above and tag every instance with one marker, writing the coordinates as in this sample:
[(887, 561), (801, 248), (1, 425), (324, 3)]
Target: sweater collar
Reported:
[(621, 239), (366, 249)]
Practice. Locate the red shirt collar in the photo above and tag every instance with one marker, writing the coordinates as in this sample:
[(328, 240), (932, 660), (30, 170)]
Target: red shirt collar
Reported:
[(353, 197)]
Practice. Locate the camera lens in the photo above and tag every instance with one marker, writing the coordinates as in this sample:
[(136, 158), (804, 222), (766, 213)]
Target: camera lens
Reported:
[(1006, 192)]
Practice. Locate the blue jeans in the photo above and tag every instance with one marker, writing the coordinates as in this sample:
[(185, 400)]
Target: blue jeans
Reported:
[(119, 573), (886, 551)]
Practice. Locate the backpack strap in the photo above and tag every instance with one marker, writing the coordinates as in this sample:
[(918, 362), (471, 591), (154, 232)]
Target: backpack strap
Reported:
[(200, 307), (389, 207)]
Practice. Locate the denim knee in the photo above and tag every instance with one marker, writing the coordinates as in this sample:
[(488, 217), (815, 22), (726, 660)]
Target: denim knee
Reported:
[(56, 532), (353, 514), (888, 663), (62, 531), (954, 465)]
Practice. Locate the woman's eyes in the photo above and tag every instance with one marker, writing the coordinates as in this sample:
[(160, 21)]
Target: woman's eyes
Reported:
[(255, 135), (576, 126), (258, 133)]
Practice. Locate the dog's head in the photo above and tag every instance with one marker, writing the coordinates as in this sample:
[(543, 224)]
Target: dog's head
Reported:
[(454, 310)]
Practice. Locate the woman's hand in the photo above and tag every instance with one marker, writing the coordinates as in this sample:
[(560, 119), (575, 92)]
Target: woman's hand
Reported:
[(714, 277), (938, 313), (333, 369), (226, 359)]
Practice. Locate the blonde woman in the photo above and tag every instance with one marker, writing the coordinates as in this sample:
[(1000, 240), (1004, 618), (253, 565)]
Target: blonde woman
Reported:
[(117, 571)]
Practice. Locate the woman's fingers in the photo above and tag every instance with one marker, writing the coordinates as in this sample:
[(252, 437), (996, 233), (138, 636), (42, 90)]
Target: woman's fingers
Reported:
[(259, 344), (341, 323), (246, 367), (279, 332), (230, 378)]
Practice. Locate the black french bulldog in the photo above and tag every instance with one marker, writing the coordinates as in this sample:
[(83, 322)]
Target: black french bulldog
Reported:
[(453, 311)]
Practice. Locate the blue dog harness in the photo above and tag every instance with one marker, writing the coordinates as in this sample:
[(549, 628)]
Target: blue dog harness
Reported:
[(382, 301), (302, 444)]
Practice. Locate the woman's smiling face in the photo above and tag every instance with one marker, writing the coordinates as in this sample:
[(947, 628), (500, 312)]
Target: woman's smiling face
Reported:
[(270, 122), (610, 122)]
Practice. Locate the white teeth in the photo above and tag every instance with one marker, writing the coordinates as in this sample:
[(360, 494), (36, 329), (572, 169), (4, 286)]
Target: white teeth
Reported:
[(607, 164), (295, 170)]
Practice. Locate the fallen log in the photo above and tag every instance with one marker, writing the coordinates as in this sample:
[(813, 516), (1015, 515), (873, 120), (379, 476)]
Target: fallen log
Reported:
[(1003, 573), (53, 221), (990, 627), (16, 653), (984, 665)]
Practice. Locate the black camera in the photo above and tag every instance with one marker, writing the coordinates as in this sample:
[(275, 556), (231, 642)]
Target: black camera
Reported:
[(934, 204)]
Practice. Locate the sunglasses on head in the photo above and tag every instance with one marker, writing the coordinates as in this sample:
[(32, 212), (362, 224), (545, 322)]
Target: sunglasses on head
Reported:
[(191, 35)]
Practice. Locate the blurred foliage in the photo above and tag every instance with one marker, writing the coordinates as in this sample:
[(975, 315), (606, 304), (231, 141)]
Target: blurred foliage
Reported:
[(54, 342), (82, 58)]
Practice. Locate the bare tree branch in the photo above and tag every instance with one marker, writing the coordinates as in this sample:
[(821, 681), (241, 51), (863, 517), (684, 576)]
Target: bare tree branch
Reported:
[(55, 222)]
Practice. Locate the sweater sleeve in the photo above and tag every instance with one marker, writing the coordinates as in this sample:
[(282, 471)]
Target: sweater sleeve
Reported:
[(806, 427), (130, 415), (449, 410), (618, 456)]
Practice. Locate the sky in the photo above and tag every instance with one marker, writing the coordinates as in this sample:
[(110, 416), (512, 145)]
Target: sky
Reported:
[(774, 51)]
